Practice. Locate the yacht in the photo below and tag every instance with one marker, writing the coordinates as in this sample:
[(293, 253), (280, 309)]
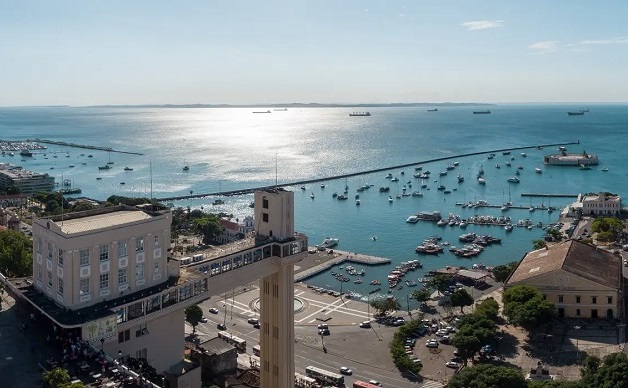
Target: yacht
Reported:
[(312, 195), (412, 219), (482, 181), (328, 243), (390, 199), (105, 167), (531, 209), (538, 171), (524, 154), (508, 227), (128, 169), (357, 202), (513, 179)]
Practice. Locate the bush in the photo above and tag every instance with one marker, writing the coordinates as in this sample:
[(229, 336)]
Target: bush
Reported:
[(397, 350)]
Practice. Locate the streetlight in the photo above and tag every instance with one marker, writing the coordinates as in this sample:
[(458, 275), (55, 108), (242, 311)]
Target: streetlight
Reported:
[(102, 344), (120, 356), (577, 327), (140, 364)]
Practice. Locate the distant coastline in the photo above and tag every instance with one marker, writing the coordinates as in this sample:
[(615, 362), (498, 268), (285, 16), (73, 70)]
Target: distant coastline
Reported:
[(296, 105)]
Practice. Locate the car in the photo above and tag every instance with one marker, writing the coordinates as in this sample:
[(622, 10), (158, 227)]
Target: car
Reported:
[(441, 332), (625, 263), (256, 325), (375, 382), (204, 320), (365, 325), (451, 364), (221, 326), (253, 321), (457, 353), (323, 332), (323, 326), (456, 359), (346, 371), (446, 339), (431, 344), (213, 310)]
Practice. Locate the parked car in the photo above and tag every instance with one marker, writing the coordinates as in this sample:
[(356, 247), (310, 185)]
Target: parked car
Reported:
[(221, 326), (375, 382), (204, 320), (323, 332), (213, 310), (346, 371), (451, 364), (253, 321), (365, 325), (256, 325), (431, 344), (323, 326)]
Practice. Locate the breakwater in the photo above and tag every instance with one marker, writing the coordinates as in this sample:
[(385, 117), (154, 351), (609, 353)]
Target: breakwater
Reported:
[(353, 174), (87, 147), (549, 195)]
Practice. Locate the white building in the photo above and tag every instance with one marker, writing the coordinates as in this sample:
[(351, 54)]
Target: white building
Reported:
[(600, 204), (107, 275), (28, 182)]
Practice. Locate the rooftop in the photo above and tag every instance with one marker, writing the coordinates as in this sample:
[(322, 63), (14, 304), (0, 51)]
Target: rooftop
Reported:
[(90, 223), (580, 259), (216, 346)]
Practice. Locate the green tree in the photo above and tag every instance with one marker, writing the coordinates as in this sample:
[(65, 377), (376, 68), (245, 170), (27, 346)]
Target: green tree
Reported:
[(539, 244), (467, 345), (612, 371), (474, 330), (194, 315), (488, 376), (525, 306), (461, 298), (554, 384), (488, 308), (501, 272), (16, 254), (57, 377), (207, 226), (80, 206), (421, 295), (440, 282), (383, 306)]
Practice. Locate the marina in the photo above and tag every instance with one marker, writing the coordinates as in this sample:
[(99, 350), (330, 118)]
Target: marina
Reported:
[(339, 258)]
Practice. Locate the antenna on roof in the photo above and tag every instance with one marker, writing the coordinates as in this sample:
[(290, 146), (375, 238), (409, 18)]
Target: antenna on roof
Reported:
[(275, 169), (62, 182), (151, 181)]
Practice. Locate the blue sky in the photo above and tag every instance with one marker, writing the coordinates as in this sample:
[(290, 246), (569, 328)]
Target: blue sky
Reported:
[(240, 52)]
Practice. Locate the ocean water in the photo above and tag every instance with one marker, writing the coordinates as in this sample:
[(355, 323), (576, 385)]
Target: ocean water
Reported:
[(232, 148)]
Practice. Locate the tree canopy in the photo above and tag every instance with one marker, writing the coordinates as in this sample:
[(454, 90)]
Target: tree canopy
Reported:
[(474, 331), (16, 254), (501, 272), (539, 244), (461, 298), (207, 226), (194, 315), (129, 201), (421, 295), (57, 377), (383, 306), (488, 376), (488, 308), (440, 282), (525, 306), (611, 371)]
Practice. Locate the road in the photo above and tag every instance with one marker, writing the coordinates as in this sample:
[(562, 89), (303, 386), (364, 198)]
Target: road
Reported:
[(341, 351)]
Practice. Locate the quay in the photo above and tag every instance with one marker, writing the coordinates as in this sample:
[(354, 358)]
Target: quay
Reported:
[(88, 147), (353, 174), (338, 257), (550, 195)]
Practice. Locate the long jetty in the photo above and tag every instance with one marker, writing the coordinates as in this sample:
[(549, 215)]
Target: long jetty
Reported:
[(341, 258), (549, 195), (87, 147), (349, 175)]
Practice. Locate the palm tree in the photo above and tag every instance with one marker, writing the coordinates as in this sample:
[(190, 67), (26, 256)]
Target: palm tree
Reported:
[(56, 377)]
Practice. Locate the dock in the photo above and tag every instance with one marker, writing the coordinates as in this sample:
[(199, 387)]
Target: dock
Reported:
[(87, 147), (339, 257), (550, 195), (353, 174)]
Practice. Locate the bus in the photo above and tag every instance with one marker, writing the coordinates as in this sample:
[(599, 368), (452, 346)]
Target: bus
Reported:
[(185, 260), (325, 376), (363, 384), (256, 350), (198, 257), (237, 342), (302, 381)]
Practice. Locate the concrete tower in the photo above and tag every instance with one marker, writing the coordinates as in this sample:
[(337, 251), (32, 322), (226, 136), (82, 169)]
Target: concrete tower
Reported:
[(274, 211)]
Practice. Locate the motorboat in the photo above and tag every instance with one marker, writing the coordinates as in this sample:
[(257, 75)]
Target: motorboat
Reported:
[(413, 219), (128, 169), (513, 179), (538, 170), (482, 181), (508, 227), (357, 202), (328, 243), (312, 195), (105, 167), (523, 154), (390, 199)]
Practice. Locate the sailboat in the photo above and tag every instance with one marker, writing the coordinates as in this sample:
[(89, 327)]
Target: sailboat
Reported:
[(186, 167), (109, 162)]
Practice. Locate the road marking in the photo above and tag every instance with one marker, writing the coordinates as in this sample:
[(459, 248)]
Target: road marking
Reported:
[(318, 311)]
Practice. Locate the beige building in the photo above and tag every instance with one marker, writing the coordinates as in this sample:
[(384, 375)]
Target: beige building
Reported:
[(109, 274), (598, 204), (581, 280)]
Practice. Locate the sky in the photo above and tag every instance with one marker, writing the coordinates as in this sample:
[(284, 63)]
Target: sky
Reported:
[(328, 51)]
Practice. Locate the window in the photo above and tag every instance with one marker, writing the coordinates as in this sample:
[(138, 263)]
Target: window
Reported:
[(139, 244), (265, 217), (610, 299), (578, 312), (156, 266), (124, 336), (60, 288), (141, 330), (38, 245), (49, 279), (156, 241), (139, 272), (84, 257), (122, 276), (104, 252), (577, 299), (49, 251), (594, 299), (61, 253), (560, 299), (264, 203), (84, 286), (104, 281), (142, 353), (39, 272), (122, 251), (136, 310)]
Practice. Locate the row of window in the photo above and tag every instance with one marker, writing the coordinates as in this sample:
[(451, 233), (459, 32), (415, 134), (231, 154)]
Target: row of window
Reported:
[(604, 205), (609, 299), (103, 250)]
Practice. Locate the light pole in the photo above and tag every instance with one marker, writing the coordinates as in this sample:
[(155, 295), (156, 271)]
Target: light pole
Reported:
[(120, 356), (102, 344), (141, 364), (577, 327)]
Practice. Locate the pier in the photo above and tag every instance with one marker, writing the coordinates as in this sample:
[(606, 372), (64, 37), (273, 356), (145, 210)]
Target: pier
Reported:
[(87, 147), (353, 174), (339, 257), (550, 195)]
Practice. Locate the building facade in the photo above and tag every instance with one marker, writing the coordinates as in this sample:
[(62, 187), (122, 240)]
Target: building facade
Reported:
[(581, 280), (600, 204), (28, 182)]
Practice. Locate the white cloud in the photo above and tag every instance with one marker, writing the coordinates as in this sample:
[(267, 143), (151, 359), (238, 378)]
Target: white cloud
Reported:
[(617, 40), (544, 47), (482, 24)]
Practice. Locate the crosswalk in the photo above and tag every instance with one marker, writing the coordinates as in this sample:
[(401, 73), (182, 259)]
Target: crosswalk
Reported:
[(432, 384)]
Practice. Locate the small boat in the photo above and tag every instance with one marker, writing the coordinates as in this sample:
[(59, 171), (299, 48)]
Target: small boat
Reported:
[(359, 114), (26, 152), (186, 168), (122, 183), (334, 195), (418, 168), (357, 202), (497, 166), (460, 178), (312, 195), (302, 187), (508, 164), (580, 113), (447, 192), (266, 111), (90, 156), (322, 185), (84, 164), (519, 167), (531, 209), (52, 168), (604, 169), (584, 167), (71, 166), (99, 178), (105, 167), (508, 227), (506, 153), (218, 202), (513, 179), (482, 112), (482, 181), (523, 154), (433, 110), (456, 164), (390, 199), (128, 169), (412, 219), (538, 170)]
